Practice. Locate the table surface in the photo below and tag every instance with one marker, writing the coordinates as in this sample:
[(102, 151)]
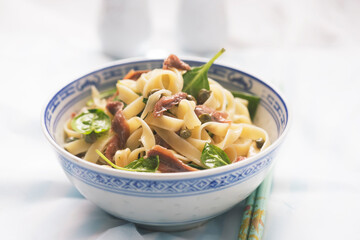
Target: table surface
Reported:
[(309, 49)]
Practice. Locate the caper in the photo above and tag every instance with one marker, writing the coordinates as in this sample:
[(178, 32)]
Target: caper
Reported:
[(203, 95), (205, 117), (90, 138), (185, 133), (259, 143), (153, 91), (190, 98)]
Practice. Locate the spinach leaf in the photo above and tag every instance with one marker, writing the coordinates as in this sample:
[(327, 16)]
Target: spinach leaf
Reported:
[(193, 165), (196, 78), (252, 99), (109, 162), (149, 164), (213, 156), (95, 120)]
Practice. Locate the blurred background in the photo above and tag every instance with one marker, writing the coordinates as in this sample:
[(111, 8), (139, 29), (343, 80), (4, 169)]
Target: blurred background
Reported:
[(309, 49), (76, 31)]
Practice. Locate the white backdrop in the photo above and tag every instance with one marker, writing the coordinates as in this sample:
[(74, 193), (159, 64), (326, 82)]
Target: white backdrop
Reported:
[(309, 49)]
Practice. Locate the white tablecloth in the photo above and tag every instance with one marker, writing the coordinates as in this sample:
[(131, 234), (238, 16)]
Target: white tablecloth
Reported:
[(309, 49)]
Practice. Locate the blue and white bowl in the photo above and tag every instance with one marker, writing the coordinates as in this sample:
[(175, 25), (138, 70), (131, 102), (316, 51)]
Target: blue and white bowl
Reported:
[(166, 201)]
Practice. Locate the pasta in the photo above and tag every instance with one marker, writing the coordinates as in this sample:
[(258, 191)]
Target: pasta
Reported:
[(152, 118)]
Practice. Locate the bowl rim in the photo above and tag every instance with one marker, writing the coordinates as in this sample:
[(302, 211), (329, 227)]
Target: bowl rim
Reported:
[(165, 176)]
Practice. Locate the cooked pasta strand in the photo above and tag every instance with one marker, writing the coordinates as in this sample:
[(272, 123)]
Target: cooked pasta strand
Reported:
[(225, 122)]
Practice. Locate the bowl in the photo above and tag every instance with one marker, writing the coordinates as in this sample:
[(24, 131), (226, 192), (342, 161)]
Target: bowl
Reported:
[(166, 201)]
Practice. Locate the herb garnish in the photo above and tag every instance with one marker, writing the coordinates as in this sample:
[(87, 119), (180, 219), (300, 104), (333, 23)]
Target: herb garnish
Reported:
[(94, 120), (149, 164), (197, 79), (193, 165), (213, 156)]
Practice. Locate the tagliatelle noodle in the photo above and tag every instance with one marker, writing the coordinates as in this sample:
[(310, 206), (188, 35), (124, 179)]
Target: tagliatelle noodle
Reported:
[(241, 119), (217, 99), (241, 146), (186, 112), (243, 101), (231, 153), (146, 137), (98, 102), (126, 156), (254, 133), (180, 145), (165, 122), (133, 141), (244, 145), (230, 103), (129, 83), (160, 79), (236, 137), (198, 143), (69, 132), (135, 154), (134, 108), (219, 129), (231, 136), (212, 102), (126, 94), (121, 157), (152, 100), (100, 144), (78, 146), (241, 114)]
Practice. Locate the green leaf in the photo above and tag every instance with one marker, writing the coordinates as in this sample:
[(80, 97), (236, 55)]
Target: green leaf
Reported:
[(213, 156), (149, 164), (108, 161), (95, 120), (252, 99), (193, 165), (104, 94), (196, 78)]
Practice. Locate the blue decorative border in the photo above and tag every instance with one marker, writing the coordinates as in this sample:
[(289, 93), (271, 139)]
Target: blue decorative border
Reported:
[(104, 78), (166, 188), (224, 74)]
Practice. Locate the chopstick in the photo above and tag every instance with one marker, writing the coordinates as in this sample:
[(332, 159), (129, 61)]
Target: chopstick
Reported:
[(252, 224)]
